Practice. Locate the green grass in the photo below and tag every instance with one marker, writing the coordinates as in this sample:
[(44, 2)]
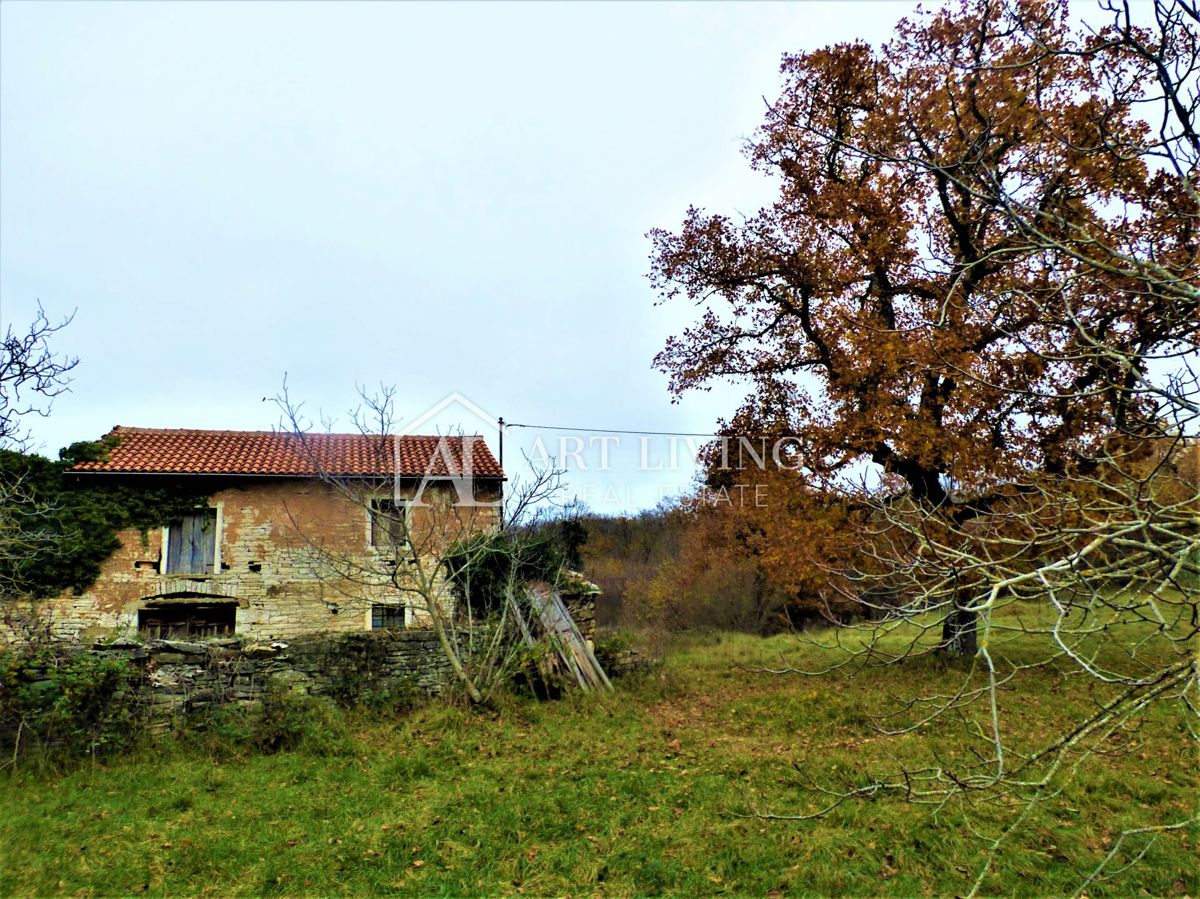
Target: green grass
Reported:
[(640, 792)]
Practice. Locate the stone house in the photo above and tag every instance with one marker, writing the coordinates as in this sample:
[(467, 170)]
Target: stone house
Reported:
[(300, 534)]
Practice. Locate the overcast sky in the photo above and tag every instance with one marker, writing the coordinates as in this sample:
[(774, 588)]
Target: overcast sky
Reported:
[(448, 198)]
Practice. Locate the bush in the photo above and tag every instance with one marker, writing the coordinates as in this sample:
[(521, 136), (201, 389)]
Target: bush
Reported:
[(59, 705), (283, 721), (484, 567), (290, 721)]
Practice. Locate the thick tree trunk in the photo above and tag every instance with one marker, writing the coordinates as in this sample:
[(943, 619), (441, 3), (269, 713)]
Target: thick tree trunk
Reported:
[(960, 630)]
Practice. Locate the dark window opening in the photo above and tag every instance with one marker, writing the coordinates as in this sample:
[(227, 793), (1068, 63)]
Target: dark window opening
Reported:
[(388, 523), (198, 620), (192, 543), (387, 617), (485, 492)]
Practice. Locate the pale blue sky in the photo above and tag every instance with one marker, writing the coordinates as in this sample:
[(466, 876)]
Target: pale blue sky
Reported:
[(445, 197)]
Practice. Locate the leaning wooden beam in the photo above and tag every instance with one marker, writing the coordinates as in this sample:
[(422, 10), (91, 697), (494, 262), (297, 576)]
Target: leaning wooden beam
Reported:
[(560, 627)]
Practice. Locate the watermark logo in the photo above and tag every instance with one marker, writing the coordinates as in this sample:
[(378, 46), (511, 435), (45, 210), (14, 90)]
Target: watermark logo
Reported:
[(455, 457), (608, 470)]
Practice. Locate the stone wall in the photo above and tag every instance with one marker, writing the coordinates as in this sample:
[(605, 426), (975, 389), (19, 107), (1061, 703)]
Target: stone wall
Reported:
[(583, 609), (173, 679), (180, 677)]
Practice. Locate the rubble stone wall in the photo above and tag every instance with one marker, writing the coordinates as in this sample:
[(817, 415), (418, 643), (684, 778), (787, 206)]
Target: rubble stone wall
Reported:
[(179, 677)]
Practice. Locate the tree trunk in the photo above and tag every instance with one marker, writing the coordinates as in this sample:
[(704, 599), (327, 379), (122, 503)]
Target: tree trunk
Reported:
[(439, 627), (960, 630)]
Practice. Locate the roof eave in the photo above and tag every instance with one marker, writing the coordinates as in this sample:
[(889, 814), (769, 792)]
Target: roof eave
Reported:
[(272, 474)]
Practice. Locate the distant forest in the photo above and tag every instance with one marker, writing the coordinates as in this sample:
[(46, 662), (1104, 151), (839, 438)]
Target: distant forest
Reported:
[(677, 568)]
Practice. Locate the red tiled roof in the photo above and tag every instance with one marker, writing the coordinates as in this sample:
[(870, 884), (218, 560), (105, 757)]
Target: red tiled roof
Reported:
[(185, 451)]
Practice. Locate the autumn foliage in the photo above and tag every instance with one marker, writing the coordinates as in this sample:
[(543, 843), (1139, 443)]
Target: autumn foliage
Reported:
[(982, 253)]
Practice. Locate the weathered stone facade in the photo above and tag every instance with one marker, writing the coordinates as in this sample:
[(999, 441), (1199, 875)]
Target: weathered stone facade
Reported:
[(293, 557)]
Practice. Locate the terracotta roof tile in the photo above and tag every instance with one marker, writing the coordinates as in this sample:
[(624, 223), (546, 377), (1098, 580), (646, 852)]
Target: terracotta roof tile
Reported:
[(185, 451)]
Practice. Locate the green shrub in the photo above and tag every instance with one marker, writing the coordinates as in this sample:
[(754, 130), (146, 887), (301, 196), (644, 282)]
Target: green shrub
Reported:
[(282, 721), (484, 567), (615, 642), (290, 721), (220, 731), (398, 699), (59, 705)]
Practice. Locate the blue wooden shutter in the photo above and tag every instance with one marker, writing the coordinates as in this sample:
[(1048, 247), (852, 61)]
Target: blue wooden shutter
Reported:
[(175, 547), (192, 544), (204, 532)]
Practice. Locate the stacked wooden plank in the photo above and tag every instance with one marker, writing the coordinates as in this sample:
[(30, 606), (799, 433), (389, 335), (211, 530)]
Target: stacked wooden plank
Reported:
[(558, 627)]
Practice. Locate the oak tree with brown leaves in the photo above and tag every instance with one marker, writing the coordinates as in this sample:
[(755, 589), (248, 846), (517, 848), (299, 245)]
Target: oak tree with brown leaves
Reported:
[(979, 247), (981, 280)]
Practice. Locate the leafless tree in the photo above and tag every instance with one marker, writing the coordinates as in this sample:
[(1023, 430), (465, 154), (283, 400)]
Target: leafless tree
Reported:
[(31, 376), (444, 513)]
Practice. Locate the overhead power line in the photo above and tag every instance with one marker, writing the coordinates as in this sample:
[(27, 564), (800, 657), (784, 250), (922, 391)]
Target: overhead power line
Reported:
[(509, 424)]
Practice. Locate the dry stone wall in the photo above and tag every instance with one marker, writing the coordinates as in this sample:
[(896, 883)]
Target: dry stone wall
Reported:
[(180, 677)]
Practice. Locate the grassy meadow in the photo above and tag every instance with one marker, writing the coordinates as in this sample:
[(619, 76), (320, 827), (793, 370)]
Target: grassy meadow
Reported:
[(642, 792)]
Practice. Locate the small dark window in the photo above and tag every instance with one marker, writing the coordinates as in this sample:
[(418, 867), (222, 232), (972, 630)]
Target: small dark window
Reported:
[(192, 544), (387, 617), (486, 491), (188, 620), (389, 526)]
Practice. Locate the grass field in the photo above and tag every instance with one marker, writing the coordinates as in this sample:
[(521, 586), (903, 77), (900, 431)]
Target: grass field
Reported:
[(640, 792)]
